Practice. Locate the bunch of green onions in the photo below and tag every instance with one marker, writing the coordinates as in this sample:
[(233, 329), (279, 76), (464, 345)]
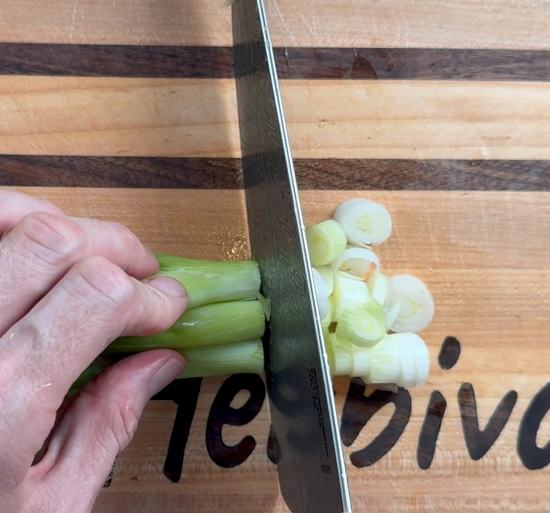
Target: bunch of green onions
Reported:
[(220, 332), (370, 322)]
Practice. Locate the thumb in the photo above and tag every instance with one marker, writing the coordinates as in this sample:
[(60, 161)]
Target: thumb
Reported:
[(99, 425)]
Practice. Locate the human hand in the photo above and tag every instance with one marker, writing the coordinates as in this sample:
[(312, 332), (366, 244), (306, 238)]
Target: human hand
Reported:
[(68, 288)]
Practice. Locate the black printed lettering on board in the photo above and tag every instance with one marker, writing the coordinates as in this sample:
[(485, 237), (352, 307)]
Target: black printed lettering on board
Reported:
[(185, 393), (358, 410), (449, 353), (478, 441), (430, 430), (532, 456), (222, 413), (437, 405), (273, 447)]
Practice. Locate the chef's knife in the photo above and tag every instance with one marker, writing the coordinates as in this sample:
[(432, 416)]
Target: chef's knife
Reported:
[(311, 465)]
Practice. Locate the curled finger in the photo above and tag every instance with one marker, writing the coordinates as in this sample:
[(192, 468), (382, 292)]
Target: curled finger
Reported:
[(45, 352)]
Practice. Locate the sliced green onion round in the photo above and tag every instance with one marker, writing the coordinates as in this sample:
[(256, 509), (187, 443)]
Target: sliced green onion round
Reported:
[(343, 357), (327, 321), (321, 293), (348, 292), (408, 363), (325, 241), (416, 303), (348, 360), (362, 324), (328, 277), (391, 312), (378, 287), (364, 222), (400, 358), (416, 366), (361, 363), (358, 262), (385, 364), (422, 358), (329, 350)]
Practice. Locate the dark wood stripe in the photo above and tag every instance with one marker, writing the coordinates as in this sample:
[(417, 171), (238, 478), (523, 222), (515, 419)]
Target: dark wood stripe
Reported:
[(413, 64), (424, 175), (116, 60), (131, 172), (312, 174), (292, 63)]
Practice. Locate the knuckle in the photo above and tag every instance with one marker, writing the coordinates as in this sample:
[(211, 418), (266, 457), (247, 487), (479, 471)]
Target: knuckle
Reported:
[(125, 426), (8, 198), (51, 237), (97, 277), (118, 419), (47, 206), (127, 237), (126, 233), (156, 312)]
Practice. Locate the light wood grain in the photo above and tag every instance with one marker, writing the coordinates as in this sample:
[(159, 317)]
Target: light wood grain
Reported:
[(205, 224), (346, 23), (416, 120), (175, 503), (483, 257), (326, 118), (158, 22), (62, 116)]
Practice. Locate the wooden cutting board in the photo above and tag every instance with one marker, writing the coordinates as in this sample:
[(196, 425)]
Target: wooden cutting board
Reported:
[(441, 111)]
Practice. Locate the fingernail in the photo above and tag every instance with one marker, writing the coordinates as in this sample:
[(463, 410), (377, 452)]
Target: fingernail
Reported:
[(169, 286), (167, 373)]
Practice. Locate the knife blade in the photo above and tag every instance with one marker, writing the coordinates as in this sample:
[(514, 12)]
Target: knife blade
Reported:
[(311, 466)]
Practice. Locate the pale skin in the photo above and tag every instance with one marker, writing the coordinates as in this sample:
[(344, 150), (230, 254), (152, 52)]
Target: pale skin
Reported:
[(68, 288)]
